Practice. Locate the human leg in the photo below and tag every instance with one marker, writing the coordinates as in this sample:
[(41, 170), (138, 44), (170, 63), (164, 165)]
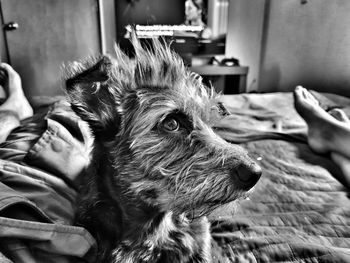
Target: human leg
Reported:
[(342, 161), (327, 131)]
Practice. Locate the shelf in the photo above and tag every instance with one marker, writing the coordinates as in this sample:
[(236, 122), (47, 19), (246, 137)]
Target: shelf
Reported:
[(208, 70), (226, 71)]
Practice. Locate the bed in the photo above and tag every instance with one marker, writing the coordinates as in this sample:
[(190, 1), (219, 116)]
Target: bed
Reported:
[(300, 208), (299, 211)]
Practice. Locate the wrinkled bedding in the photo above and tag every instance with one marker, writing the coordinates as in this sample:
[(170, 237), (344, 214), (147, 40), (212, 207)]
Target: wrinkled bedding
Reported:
[(300, 209)]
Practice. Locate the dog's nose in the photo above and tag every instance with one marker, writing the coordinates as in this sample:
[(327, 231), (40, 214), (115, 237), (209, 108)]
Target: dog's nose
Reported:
[(248, 174)]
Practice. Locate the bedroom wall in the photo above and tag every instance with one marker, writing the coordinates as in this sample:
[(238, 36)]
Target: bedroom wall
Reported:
[(291, 42), (244, 35), (306, 42)]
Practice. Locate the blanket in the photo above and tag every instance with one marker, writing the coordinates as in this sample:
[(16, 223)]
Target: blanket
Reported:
[(300, 209)]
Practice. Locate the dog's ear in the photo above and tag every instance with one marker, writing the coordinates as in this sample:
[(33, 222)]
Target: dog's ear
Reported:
[(92, 98)]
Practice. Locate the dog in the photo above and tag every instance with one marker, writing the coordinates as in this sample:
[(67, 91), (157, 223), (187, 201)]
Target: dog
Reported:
[(157, 166)]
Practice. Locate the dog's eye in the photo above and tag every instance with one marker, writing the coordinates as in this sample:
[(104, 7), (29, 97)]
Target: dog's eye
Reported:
[(170, 124), (175, 122)]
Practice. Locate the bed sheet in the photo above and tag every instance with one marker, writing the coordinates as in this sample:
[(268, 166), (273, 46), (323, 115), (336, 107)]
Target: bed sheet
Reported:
[(300, 210)]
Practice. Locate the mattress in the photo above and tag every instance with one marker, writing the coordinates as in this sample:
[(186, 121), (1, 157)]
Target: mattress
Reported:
[(299, 211)]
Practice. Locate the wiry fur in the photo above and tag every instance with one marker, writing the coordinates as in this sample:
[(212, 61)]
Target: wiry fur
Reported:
[(148, 188)]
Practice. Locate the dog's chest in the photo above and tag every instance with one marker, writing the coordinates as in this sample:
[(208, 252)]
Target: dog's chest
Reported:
[(167, 243)]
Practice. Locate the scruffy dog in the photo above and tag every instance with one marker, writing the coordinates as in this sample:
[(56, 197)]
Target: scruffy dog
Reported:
[(157, 166)]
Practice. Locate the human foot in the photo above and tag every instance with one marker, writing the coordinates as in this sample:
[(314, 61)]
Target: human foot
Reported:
[(339, 115), (327, 131), (16, 100), (320, 123)]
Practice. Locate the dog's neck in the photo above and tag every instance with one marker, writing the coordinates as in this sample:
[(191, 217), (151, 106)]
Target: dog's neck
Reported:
[(160, 236), (128, 232), (166, 238)]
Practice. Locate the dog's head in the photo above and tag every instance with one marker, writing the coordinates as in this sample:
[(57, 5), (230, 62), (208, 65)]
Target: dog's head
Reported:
[(151, 118)]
